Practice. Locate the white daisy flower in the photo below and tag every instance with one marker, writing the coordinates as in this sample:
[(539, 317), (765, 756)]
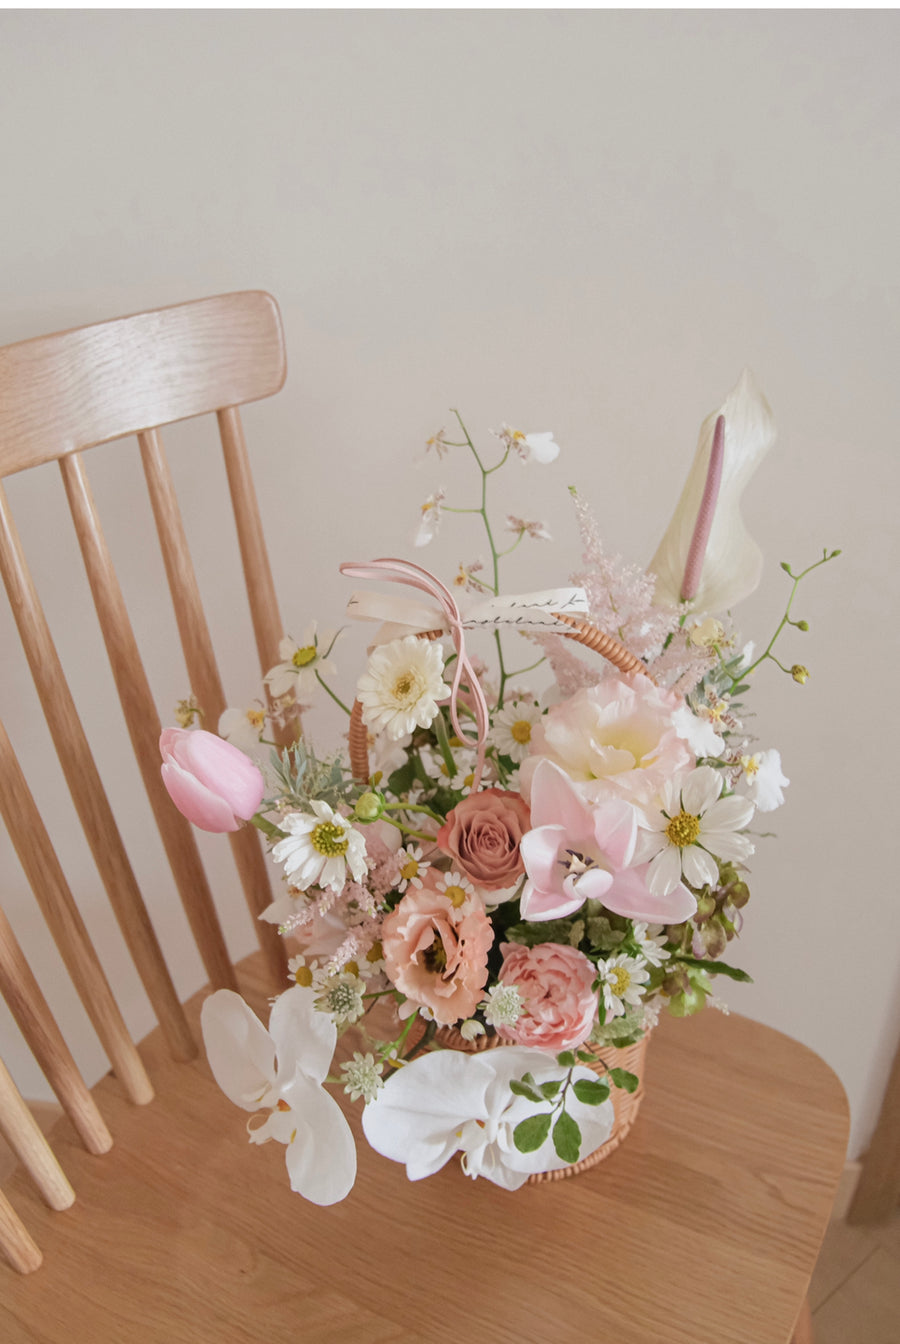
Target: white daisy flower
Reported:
[(319, 848), (302, 971), (401, 686), (412, 866), (300, 662), (458, 889), (512, 729), (362, 1077), (622, 979), (693, 825), (651, 940)]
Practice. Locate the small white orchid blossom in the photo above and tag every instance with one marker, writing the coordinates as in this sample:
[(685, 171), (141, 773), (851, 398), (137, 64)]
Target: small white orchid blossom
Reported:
[(447, 1102), (732, 562), (282, 1070)]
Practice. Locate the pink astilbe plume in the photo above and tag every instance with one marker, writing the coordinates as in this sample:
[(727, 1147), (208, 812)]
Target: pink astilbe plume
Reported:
[(620, 595), (682, 666), (571, 672)]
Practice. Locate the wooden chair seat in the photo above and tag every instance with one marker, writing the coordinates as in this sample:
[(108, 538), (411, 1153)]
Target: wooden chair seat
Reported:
[(703, 1228)]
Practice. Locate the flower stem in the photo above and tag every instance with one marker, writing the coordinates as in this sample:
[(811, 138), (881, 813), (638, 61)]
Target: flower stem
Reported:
[(337, 700)]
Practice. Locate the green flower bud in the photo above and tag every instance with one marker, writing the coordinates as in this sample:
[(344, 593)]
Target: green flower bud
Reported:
[(803, 625), (369, 807), (800, 673)]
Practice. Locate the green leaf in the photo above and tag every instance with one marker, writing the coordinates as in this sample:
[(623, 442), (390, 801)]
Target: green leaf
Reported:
[(718, 968), (566, 1059), (529, 1134), (524, 1089), (585, 1056), (547, 931), (591, 1093), (550, 1089), (567, 1138), (622, 1078)]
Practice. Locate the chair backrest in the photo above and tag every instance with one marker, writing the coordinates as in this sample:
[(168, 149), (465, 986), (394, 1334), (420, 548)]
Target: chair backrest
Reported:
[(59, 396)]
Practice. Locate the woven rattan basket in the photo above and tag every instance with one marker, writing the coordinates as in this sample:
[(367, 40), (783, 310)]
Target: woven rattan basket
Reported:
[(631, 1057)]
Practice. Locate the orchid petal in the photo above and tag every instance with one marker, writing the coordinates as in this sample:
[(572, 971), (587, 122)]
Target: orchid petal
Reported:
[(304, 1037), (321, 1154), (240, 1051), (733, 561)]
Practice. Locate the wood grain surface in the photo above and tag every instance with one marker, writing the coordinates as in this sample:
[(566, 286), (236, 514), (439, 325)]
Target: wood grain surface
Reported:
[(703, 1228)]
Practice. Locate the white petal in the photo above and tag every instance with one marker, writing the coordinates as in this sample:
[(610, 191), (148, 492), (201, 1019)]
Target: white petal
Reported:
[(701, 789), (415, 1116), (728, 845), (698, 733), (700, 868), (240, 1051), (304, 1038), (321, 1157), (728, 814), (733, 561), (664, 872)]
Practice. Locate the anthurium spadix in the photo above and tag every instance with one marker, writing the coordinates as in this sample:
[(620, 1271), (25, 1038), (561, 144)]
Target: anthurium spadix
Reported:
[(728, 566), (282, 1070)]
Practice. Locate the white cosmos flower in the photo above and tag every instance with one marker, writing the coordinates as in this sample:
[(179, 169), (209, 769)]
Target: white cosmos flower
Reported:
[(763, 780), (282, 1070), (401, 686), (319, 848), (733, 561), (693, 825), (300, 663), (447, 1101)]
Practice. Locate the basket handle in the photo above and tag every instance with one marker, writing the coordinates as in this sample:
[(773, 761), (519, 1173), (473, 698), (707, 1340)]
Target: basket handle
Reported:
[(583, 632)]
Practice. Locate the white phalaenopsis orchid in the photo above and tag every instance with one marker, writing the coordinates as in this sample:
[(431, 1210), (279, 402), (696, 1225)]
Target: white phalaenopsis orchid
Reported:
[(447, 1102), (732, 563), (282, 1070)]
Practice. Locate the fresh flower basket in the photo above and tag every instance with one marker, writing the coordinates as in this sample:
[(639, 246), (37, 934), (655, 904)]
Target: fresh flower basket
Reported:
[(491, 865)]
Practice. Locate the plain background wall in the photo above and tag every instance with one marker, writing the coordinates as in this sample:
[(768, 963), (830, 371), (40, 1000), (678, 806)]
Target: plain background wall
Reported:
[(587, 221)]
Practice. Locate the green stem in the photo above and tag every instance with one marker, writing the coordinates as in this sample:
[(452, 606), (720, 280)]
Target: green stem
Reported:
[(337, 700), (267, 827)]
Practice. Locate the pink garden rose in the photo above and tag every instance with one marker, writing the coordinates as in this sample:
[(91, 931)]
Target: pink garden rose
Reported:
[(211, 782), (436, 952), (617, 739), (482, 835), (554, 981)]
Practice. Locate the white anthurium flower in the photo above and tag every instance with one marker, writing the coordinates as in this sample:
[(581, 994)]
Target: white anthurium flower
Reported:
[(447, 1102), (732, 564), (693, 828), (763, 781), (282, 1070)]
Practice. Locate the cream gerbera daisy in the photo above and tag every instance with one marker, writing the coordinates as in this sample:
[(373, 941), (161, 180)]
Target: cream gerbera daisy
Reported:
[(319, 848), (512, 729), (693, 829), (401, 686)]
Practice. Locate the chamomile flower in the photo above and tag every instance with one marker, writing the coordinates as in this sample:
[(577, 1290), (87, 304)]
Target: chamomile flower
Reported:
[(651, 941), (296, 673), (319, 848), (512, 729), (401, 686), (302, 971), (458, 889), (412, 865), (693, 828), (622, 980)]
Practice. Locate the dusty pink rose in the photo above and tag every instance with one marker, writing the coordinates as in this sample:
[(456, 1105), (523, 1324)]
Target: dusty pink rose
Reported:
[(482, 835), (436, 953), (555, 984), (618, 739)]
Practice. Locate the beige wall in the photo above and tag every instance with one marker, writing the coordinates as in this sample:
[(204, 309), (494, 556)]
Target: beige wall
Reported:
[(585, 220)]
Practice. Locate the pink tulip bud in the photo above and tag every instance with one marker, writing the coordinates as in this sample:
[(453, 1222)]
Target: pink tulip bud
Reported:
[(211, 782)]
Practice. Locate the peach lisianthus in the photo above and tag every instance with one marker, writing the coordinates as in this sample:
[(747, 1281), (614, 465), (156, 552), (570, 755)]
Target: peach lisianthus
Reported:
[(618, 739), (435, 952), (482, 835), (554, 982)]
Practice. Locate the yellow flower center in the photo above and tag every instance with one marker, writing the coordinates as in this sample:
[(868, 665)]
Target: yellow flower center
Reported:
[(303, 976), (257, 717), (329, 840), (521, 731), (683, 830), (351, 967), (619, 981), (375, 953), (409, 869), (407, 688), (456, 895), (303, 657), (750, 765)]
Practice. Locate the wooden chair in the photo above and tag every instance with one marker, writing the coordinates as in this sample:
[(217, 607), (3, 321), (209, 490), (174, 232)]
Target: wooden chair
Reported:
[(702, 1228)]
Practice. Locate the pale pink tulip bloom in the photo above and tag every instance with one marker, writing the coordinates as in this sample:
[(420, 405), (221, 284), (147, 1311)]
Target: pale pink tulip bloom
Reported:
[(578, 851), (211, 782)]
